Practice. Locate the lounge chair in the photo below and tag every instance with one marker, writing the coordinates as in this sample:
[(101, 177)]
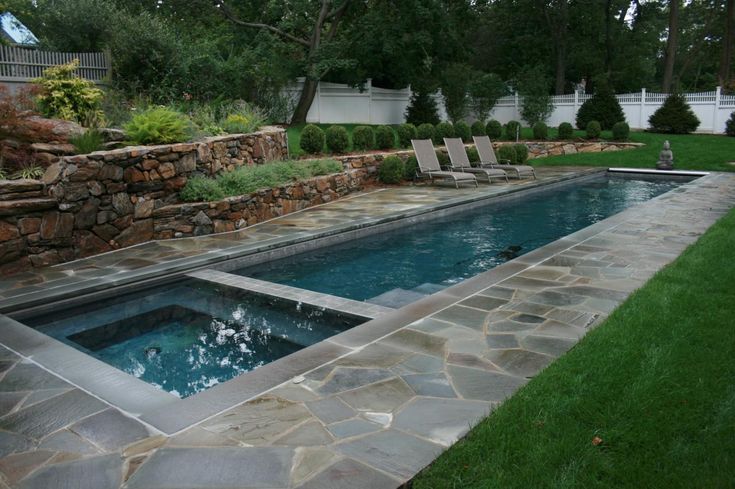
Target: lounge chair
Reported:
[(429, 164), (488, 159), (460, 162)]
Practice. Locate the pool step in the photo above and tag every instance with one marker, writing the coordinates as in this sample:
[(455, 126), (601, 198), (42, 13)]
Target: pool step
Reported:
[(396, 298), (428, 288), (309, 297)]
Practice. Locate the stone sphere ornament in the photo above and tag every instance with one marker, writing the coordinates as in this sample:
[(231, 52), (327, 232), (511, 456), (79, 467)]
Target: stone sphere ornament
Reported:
[(665, 158)]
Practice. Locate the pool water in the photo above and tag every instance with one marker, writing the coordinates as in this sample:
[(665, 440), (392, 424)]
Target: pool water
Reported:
[(401, 266), (191, 336)]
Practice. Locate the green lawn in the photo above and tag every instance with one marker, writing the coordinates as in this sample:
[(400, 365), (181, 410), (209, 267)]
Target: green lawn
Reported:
[(655, 382), (691, 152)]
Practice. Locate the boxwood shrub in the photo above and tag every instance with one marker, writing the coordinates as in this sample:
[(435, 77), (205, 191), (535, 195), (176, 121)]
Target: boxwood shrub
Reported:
[(462, 130), (391, 170), (521, 151), (730, 125), (621, 131), (566, 131), (406, 132), (312, 139), (508, 153), (363, 137), (411, 167), (593, 130), (511, 129), (384, 137), (425, 131), (337, 139), (443, 130), (494, 129), (540, 131), (478, 129)]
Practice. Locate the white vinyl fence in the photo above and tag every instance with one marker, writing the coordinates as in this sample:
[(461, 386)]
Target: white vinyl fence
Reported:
[(341, 104)]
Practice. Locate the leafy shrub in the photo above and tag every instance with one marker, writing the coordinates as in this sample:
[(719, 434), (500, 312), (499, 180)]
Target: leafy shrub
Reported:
[(521, 151), (406, 132), (508, 153), (425, 131), (593, 130), (3, 174), (512, 130), (201, 189), (478, 129), (473, 154), (363, 137), (540, 131), (730, 125), (621, 131), (485, 90), (384, 137), (324, 167), (443, 158), (674, 116), (422, 109), (566, 131), (494, 129), (67, 96), (455, 80), (391, 170), (603, 107), (338, 140), (312, 139), (462, 130), (533, 86), (236, 124), (88, 142), (410, 168), (241, 117), (443, 130), (158, 125)]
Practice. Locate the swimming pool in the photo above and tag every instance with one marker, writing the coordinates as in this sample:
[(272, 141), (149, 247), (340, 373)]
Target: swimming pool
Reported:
[(399, 267)]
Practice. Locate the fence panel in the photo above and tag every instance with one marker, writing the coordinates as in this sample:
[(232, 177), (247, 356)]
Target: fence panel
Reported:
[(21, 65)]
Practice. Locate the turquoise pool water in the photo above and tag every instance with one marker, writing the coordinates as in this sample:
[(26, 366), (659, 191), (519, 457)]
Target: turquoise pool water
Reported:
[(398, 267), (191, 336)]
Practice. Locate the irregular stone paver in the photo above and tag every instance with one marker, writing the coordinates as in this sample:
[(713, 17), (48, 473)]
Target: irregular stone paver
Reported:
[(383, 397), (519, 362), (66, 441), (306, 435), (472, 383), (352, 427), (391, 451), (348, 473), (309, 461), (110, 429), (344, 379), (13, 443), (92, 473), (28, 377), (215, 468), (330, 410), (432, 385), (441, 421)]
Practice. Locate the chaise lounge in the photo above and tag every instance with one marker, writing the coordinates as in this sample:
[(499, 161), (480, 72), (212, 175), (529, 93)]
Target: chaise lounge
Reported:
[(488, 159), (460, 162), (429, 164)]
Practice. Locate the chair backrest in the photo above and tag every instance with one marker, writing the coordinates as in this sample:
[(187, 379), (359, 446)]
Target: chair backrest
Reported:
[(425, 155), (485, 149), (457, 153)]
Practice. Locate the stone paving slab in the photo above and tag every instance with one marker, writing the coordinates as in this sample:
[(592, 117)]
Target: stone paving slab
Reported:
[(380, 411)]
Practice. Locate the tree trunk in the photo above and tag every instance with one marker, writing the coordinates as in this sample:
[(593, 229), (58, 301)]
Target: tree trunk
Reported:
[(724, 77), (561, 69), (671, 45), (305, 100)]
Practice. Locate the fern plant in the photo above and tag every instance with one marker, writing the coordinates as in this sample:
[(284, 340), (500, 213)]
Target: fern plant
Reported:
[(88, 142), (158, 125)]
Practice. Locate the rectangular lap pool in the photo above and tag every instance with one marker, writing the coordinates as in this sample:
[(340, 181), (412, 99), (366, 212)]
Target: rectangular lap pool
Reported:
[(399, 267), (186, 336)]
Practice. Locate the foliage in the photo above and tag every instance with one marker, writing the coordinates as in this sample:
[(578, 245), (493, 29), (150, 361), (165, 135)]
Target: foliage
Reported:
[(443, 130), (31, 170), (248, 179), (521, 151), (425, 131), (593, 130), (312, 139), (602, 107), (241, 117), (201, 189), (158, 125), (462, 130), (473, 154), (385, 138), (533, 87), (675, 116), (621, 131), (337, 139), (730, 125), (221, 116), (508, 153), (391, 170), (478, 129), (88, 142), (422, 109), (406, 132), (540, 131), (512, 130), (443, 158), (363, 138), (66, 96), (485, 89), (455, 81), (494, 129), (411, 167), (566, 131)]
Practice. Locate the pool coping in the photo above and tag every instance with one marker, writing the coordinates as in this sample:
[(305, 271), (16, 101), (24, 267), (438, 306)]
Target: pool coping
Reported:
[(170, 415)]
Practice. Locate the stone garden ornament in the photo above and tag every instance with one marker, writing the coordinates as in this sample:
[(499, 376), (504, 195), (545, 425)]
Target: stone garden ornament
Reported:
[(665, 158)]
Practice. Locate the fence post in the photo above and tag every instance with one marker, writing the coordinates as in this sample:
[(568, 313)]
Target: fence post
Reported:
[(576, 102), (718, 100), (370, 100), (516, 112), (643, 106)]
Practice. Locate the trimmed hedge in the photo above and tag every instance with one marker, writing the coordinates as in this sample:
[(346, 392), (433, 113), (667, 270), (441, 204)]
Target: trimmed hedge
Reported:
[(406, 132), (730, 125), (621, 131), (521, 151), (593, 130), (384, 137), (391, 170), (312, 139), (363, 138), (566, 131), (462, 130), (494, 129), (540, 131), (511, 129), (410, 168), (507, 152), (425, 131), (443, 130), (338, 140), (478, 129)]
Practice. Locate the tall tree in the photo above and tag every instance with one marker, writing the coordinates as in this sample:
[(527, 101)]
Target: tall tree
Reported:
[(671, 45), (556, 13), (724, 77)]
